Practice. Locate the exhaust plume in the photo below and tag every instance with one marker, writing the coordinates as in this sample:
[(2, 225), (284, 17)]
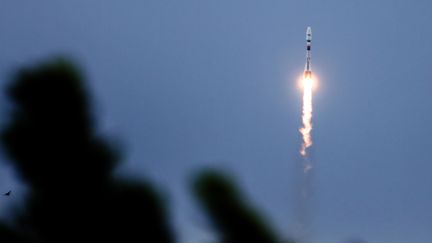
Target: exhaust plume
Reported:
[(307, 120)]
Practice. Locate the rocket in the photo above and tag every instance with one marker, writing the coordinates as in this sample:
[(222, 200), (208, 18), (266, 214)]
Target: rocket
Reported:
[(308, 70)]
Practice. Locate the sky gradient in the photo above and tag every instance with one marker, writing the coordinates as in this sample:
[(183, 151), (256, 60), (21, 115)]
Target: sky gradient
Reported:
[(190, 84)]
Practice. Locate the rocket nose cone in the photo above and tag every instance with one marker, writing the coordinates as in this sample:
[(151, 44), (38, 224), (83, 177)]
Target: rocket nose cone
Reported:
[(309, 34)]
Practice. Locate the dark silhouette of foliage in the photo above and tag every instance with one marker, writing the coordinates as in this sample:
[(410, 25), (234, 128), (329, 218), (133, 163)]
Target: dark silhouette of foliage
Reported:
[(10, 236), (234, 220), (52, 142)]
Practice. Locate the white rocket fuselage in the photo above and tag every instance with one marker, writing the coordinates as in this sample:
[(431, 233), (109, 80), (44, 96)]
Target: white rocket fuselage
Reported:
[(308, 70)]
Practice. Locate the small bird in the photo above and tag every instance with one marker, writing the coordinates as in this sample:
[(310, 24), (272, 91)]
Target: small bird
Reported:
[(7, 193)]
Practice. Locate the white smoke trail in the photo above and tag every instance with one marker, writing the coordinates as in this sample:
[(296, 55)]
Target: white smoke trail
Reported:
[(307, 121), (305, 196)]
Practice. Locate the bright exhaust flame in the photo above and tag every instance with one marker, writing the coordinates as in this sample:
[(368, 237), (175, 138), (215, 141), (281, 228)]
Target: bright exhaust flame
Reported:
[(306, 130)]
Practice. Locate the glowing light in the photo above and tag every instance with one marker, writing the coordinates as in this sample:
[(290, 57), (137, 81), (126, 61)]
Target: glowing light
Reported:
[(308, 82)]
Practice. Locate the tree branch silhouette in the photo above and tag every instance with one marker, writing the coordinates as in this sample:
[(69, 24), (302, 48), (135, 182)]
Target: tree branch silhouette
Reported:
[(52, 142)]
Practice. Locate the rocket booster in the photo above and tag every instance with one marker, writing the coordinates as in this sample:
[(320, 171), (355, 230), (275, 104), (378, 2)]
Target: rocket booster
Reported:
[(308, 70)]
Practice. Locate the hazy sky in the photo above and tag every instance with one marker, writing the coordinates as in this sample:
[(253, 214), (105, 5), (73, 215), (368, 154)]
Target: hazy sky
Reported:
[(187, 84)]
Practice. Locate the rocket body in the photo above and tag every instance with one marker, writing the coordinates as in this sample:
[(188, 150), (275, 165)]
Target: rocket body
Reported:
[(308, 70)]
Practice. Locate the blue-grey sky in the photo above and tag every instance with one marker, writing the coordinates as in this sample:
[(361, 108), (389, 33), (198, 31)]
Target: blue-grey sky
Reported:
[(187, 84)]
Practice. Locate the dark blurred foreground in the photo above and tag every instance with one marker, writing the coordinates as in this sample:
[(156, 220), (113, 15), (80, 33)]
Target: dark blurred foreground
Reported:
[(52, 142)]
